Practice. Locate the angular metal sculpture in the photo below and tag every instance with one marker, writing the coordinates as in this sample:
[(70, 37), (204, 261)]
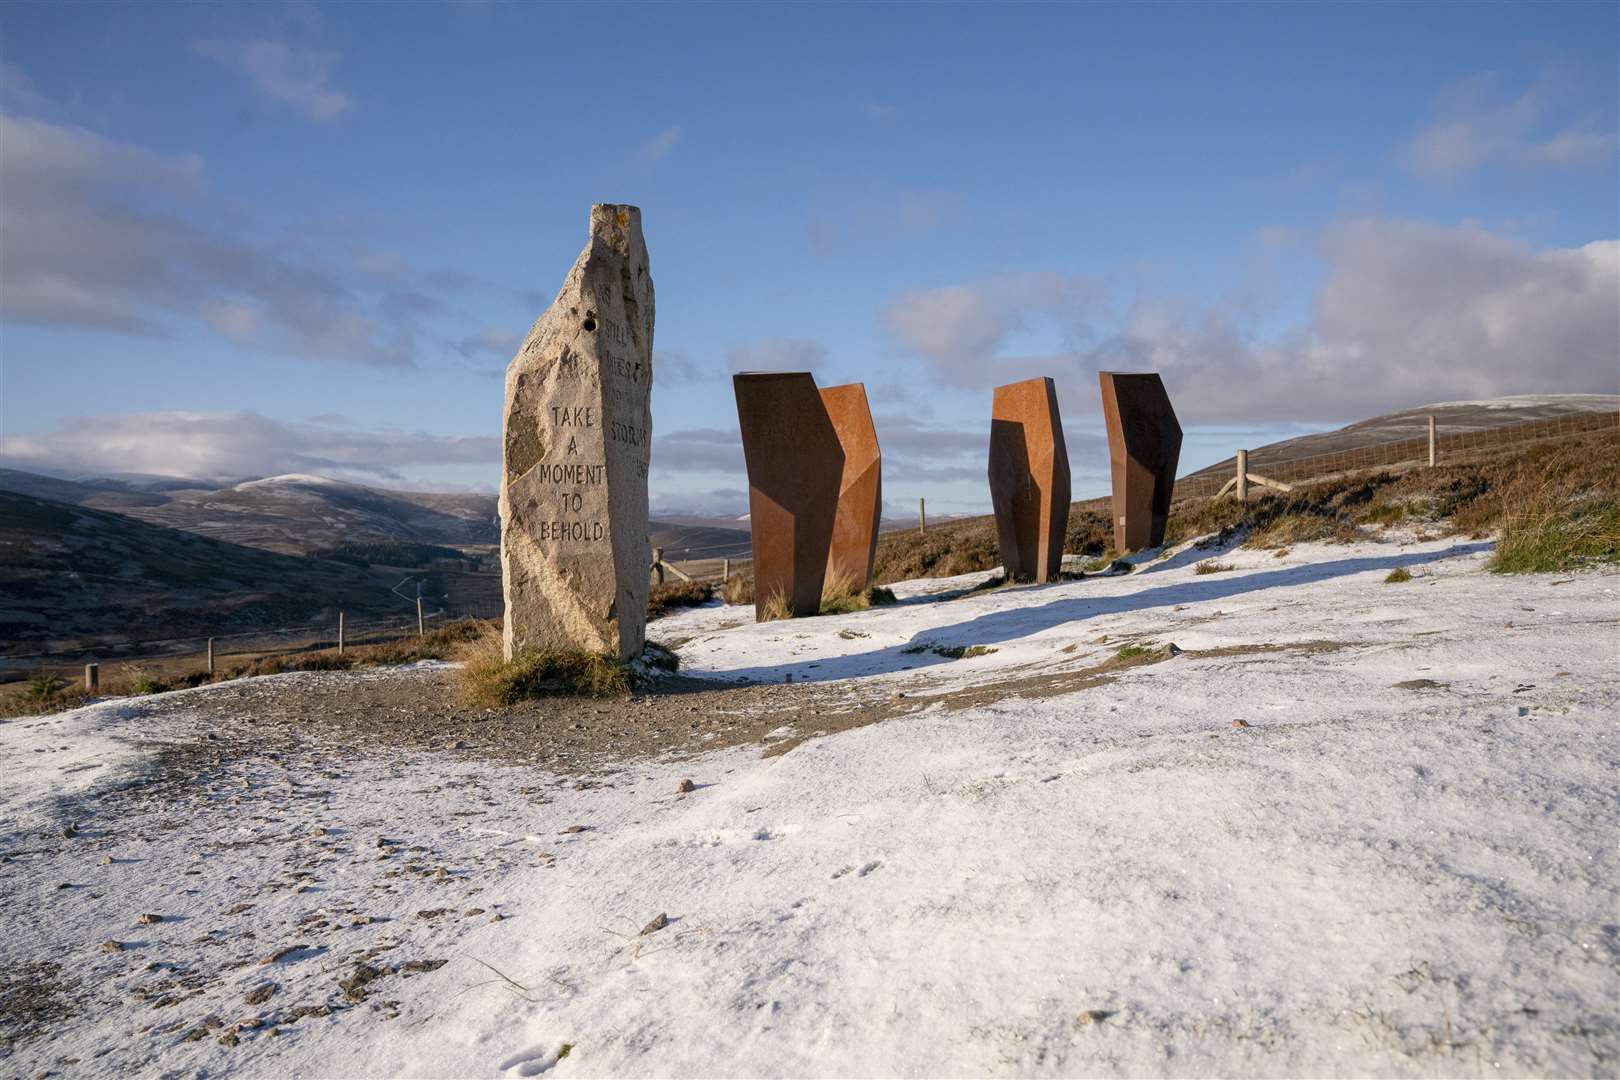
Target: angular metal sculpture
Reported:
[(577, 433), (794, 465), (860, 491), (1029, 479), (1144, 444)]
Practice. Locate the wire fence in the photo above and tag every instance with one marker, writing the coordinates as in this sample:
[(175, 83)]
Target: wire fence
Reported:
[(325, 633), (1447, 447)]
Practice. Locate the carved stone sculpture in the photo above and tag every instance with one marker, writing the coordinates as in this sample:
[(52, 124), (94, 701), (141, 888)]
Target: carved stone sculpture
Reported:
[(577, 432), (860, 491), (794, 465), (1144, 445), (1029, 479)]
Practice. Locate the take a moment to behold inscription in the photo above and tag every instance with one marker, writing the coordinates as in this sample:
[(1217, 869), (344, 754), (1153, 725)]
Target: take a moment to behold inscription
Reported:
[(795, 465), (574, 550), (1029, 479), (860, 490), (1144, 446)]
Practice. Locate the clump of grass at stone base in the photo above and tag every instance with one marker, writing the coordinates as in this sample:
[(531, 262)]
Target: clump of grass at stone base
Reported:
[(487, 679)]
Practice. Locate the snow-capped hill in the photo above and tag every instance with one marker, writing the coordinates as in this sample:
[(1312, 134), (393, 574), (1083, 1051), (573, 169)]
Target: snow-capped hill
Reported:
[(291, 480)]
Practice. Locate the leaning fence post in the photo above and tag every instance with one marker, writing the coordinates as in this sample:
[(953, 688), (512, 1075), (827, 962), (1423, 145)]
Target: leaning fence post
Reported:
[(92, 676), (922, 516), (1431, 441), (420, 632), (210, 656), (340, 627), (1242, 475)]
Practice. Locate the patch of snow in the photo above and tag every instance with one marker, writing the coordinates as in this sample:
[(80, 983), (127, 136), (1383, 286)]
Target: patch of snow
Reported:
[(1571, 402), (1364, 878), (291, 480)]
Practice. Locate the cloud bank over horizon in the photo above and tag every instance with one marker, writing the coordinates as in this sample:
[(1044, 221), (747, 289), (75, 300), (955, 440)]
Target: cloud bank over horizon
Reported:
[(1408, 312)]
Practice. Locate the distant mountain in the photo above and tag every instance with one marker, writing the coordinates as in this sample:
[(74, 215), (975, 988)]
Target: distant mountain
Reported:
[(301, 513), (682, 541), (72, 574), (293, 514)]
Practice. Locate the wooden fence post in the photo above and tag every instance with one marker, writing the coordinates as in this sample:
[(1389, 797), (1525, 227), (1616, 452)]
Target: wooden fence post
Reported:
[(658, 564), (92, 676), (421, 632), (922, 517), (1242, 475), (340, 630), (210, 656), (1432, 455), (725, 570)]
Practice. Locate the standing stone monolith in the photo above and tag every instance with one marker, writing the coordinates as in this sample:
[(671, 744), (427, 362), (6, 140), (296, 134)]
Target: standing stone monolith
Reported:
[(1144, 445), (574, 549), (860, 491), (1029, 479), (794, 465)]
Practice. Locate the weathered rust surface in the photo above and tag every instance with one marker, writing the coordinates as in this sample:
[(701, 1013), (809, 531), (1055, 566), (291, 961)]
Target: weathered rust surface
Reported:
[(1144, 445), (1029, 479), (794, 465), (860, 491)]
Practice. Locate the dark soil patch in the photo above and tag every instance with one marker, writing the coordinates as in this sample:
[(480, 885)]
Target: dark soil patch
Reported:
[(34, 998)]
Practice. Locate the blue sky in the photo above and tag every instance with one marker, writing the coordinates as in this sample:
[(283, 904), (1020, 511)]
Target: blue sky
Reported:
[(248, 239)]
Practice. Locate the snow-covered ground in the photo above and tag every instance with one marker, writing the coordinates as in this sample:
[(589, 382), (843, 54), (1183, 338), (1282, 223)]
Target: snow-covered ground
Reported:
[(1404, 864)]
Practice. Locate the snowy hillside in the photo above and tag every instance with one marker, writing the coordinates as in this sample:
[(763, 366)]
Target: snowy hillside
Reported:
[(1344, 828)]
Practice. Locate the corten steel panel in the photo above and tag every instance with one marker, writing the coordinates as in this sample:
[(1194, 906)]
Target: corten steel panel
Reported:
[(794, 466), (1144, 444), (1029, 479), (860, 491)]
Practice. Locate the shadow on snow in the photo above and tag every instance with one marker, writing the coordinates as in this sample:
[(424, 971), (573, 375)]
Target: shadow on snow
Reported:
[(997, 627)]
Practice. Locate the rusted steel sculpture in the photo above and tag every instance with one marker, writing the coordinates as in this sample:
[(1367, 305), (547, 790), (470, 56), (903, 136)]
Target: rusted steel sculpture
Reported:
[(794, 466), (1144, 444), (1029, 479), (860, 491)]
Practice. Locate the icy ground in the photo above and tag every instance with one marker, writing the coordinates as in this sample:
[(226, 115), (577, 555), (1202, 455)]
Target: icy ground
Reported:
[(1405, 863)]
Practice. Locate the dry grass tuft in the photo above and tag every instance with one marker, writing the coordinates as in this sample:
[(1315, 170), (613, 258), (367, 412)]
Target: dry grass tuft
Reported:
[(841, 593), (1397, 576), (662, 599), (1554, 530), (738, 590), (1210, 566), (776, 607), (489, 680)]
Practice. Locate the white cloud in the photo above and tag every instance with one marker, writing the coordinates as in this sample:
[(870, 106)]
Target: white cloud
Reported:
[(658, 147), (285, 71), (700, 450), (1407, 312), (232, 445), (962, 327), (879, 111), (106, 235), (777, 354), (1474, 126), (499, 341)]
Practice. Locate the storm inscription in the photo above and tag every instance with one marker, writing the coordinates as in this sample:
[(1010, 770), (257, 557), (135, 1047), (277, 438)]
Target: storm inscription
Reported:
[(576, 438)]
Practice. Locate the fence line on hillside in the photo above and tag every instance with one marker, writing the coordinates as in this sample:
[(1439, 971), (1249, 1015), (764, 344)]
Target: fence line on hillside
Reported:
[(327, 633), (1399, 452)]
